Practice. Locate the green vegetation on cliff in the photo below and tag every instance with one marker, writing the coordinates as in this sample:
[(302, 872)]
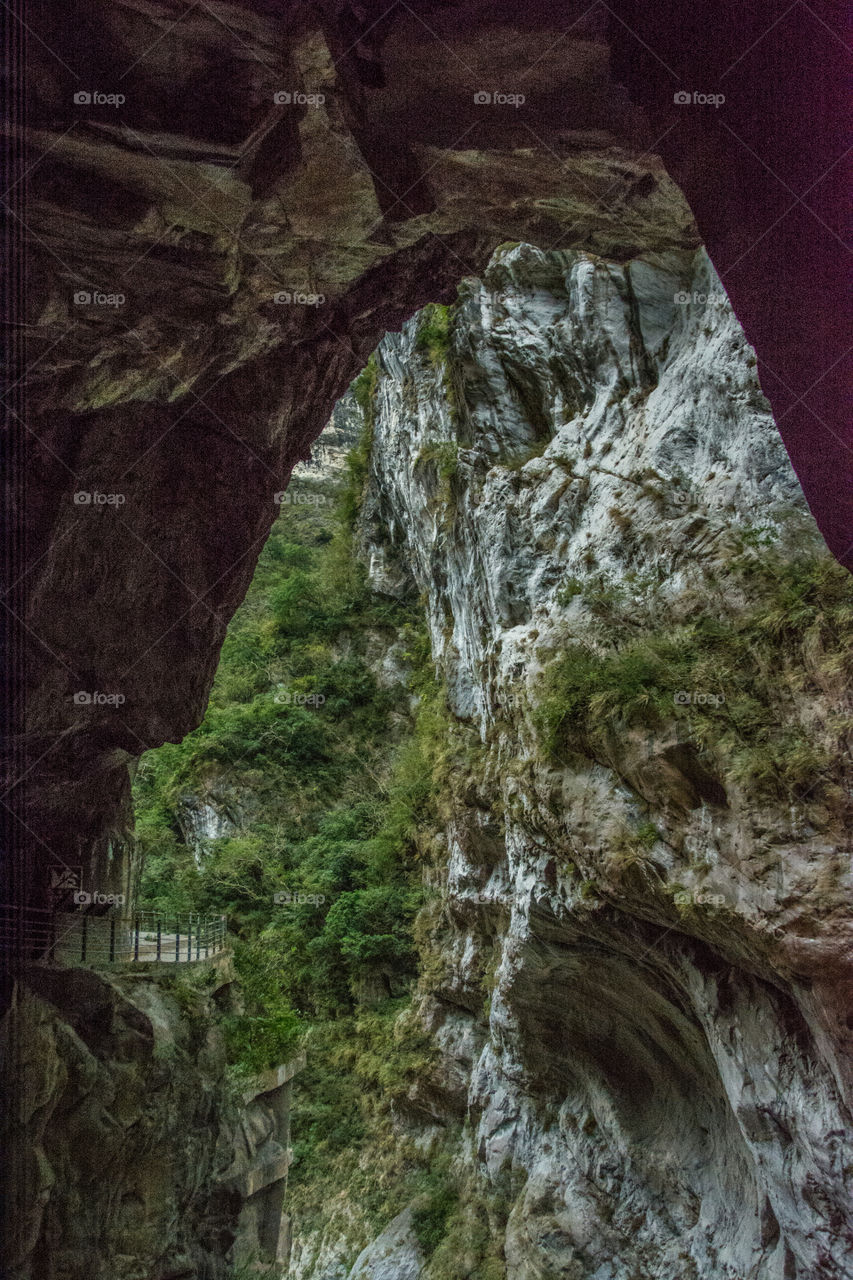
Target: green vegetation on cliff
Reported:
[(737, 679), (435, 325), (324, 744), (310, 761)]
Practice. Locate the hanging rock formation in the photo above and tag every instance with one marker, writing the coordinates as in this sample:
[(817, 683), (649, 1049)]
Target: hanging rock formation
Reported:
[(188, 170)]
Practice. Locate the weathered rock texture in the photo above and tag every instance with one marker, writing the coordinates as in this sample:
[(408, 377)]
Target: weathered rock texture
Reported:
[(259, 1170), (664, 946), (395, 1255), (199, 199), (129, 1154), (107, 1071), (218, 812)]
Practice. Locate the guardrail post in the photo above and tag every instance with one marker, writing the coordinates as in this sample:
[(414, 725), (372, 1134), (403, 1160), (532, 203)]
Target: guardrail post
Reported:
[(83, 939), (136, 938), (112, 939), (198, 939), (177, 941), (159, 937), (190, 937)]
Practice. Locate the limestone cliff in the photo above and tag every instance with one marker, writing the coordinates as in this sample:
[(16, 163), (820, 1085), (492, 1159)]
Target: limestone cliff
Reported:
[(637, 954), (633, 953)]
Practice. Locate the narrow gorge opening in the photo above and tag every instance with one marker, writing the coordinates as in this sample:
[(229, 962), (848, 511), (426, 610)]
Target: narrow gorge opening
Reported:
[(516, 783)]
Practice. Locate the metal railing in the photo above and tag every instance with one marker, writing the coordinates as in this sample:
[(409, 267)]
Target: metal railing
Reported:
[(145, 937)]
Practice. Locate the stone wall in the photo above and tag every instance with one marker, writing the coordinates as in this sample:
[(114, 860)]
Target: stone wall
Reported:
[(128, 1151)]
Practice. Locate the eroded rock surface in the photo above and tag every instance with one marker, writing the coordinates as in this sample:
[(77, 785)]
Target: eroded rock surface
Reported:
[(395, 1255), (644, 1006), (106, 1070), (219, 216), (131, 1151)]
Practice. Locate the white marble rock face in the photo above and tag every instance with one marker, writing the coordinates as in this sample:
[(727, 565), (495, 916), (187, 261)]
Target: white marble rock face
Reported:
[(666, 1090)]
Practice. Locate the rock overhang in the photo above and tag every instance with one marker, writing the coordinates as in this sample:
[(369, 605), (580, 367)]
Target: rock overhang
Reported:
[(395, 160)]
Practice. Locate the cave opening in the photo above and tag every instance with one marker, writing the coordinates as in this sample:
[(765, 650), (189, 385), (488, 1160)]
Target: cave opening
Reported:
[(430, 814)]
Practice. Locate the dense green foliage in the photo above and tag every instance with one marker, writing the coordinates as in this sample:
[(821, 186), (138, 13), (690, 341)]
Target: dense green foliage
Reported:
[(331, 785), (736, 677), (329, 780), (435, 324), (439, 1197), (444, 454), (362, 1066), (321, 775)]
